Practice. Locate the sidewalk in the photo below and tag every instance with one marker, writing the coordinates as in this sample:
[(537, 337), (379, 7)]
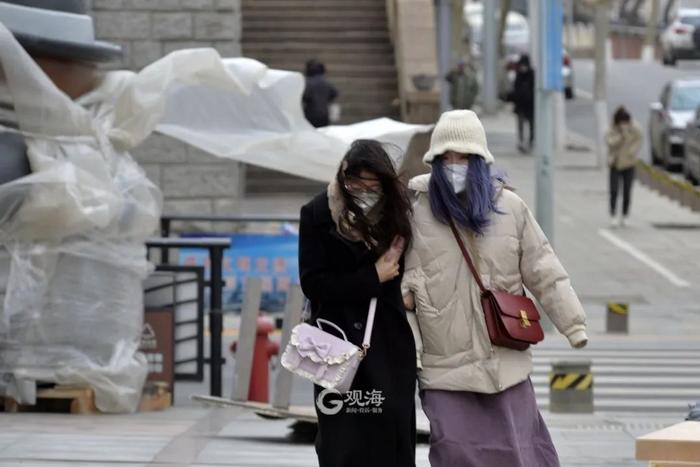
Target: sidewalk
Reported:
[(645, 265)]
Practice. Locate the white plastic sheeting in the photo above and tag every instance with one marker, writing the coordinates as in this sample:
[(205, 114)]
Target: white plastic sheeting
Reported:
[(75, 228), (75, 231)]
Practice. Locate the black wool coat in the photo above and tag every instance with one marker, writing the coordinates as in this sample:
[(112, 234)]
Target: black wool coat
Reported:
[(338, 276)]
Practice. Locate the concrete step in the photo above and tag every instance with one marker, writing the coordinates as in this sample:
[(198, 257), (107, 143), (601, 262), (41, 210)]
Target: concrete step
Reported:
[(620, 405), (687, 382), (271, 45), (330, 6), (321, 24), (332, 59), (682, 394), (254, 12), (330, 36), (631, 361)]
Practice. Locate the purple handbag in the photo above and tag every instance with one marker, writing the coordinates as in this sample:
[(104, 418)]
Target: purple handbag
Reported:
[(323, 358)]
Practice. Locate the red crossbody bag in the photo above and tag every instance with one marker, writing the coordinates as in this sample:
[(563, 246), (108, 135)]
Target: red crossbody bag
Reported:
[(511, 320)]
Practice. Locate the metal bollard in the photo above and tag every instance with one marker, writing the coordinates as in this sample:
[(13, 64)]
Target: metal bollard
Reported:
[(617, 318), (571, 387)]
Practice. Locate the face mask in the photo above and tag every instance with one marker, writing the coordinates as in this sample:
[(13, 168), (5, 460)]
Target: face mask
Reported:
[(457, 175), (367, 200)]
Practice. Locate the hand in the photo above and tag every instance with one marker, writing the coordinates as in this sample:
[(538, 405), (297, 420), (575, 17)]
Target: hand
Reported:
[(387, 267), (396, 249), (409, 301)]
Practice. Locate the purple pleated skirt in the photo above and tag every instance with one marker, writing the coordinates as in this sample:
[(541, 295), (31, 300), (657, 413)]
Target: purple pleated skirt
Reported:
[(470, 429)]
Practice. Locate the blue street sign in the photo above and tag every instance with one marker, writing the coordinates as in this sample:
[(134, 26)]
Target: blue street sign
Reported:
[(552, 20)]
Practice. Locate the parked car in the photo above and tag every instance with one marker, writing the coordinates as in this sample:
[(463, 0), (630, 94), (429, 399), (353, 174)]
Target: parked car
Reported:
[(511, 67), (668, 120), (691, 164), (681, 38)]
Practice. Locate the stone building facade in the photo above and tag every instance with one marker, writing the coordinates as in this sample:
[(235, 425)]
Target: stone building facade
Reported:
[(192, 182)]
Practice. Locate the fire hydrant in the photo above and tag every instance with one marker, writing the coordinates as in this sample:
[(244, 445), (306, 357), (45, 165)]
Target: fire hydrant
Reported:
[(264, 349)]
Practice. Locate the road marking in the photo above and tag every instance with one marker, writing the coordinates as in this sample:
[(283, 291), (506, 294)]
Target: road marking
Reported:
[(623, 245), (583, 93)]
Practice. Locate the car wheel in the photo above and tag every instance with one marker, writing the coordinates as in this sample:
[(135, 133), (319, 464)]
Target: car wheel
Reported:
[(672, 58), (654, 157), (688, 175), (569, 93)]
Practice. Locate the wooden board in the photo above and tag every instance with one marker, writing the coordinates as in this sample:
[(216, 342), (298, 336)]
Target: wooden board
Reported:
[(675, 444), (78, 400)]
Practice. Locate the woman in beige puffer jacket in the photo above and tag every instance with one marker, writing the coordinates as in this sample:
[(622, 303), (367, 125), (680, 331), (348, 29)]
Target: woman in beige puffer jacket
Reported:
[(478, 396)]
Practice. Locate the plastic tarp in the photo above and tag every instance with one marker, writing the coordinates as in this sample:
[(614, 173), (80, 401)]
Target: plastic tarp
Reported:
[(75, 228)]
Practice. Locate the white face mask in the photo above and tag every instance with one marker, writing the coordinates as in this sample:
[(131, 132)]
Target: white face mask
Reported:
[(367, 200), (457, 175)]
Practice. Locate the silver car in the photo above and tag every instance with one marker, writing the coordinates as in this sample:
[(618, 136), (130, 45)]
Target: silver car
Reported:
[(668, 120), (681, 38), (691, 166)]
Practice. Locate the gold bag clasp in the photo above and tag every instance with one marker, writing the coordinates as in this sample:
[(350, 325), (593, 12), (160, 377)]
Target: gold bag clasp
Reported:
[(524, 321)]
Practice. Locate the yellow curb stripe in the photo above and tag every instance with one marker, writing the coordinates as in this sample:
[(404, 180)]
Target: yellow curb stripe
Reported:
[(619, 308), (586, 383)]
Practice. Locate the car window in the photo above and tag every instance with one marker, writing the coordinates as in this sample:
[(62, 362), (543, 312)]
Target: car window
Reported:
[(685, 98), (691, 20)]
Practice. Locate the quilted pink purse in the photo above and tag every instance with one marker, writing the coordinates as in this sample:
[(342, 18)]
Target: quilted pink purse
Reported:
[(327, 360)]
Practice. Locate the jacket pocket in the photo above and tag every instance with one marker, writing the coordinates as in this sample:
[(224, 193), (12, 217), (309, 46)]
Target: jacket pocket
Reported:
[(446, 331)]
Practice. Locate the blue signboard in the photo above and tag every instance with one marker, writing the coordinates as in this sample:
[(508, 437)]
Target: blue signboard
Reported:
[(273, 258), (552, 17)]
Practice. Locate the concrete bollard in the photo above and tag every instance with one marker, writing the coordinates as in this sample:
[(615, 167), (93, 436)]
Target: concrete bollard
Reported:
[(571, 387), (617, 318)]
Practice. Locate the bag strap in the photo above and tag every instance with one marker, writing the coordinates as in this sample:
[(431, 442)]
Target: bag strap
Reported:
[(369, 326), (466, 256)]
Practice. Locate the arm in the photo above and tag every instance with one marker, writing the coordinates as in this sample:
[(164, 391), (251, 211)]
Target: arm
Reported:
[(613, 138), (318, 281), (635, 140), (546, 278)]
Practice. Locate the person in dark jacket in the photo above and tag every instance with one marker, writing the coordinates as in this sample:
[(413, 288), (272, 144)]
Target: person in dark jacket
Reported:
[(351, 243), (319, 94), (523, 97)]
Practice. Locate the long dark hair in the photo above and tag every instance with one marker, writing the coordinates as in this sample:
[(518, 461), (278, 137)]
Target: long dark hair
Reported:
[(370, 155), (621, 116), (470, 209)]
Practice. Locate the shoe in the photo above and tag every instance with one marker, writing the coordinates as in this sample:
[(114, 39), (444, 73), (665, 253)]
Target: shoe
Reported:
[(522, 148), (614, 222), (624, 222)]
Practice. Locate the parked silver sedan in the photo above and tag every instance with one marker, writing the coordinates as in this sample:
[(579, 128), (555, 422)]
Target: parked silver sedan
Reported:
[(668, 120), (691, 165)]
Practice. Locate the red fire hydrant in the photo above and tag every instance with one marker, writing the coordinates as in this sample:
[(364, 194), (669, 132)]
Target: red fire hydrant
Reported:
[(259, 389)]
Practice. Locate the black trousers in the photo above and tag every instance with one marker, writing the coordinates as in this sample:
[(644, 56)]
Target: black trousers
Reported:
[(627, 177), (526, 117)]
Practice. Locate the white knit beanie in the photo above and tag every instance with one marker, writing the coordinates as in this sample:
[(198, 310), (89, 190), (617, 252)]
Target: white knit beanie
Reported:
[(459, 131)]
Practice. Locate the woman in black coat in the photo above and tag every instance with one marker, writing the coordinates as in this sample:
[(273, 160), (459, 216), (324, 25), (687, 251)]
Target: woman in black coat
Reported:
[(350, 250)]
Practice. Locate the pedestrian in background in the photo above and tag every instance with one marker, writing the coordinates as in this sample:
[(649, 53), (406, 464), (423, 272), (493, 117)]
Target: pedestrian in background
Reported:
[(319, 94), (523, 98), (464, 87), (478, 396), (351, 241), (624, 140)]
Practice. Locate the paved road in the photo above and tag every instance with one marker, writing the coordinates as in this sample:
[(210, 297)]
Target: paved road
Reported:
[(631, 83)]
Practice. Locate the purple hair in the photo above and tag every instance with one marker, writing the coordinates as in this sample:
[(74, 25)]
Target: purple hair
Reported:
[(470, 209)]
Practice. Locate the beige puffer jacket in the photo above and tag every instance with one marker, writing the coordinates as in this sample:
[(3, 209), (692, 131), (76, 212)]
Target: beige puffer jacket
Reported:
[(456, 351), (624, 143)]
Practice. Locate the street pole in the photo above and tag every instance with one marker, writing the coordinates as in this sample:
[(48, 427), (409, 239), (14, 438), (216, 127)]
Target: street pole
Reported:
[(489, 51), (648, 52), (600, 98), (444, 39), (548, 35)]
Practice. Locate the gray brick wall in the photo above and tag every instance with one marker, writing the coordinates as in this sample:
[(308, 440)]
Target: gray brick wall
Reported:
[(192, 182)]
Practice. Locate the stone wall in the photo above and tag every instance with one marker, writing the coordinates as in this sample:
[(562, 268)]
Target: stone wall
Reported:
[(193, 182)]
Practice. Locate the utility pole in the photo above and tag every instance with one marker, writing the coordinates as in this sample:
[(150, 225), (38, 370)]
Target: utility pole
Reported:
[(648, 52), (444, 44), (548, 15), (489, 51), (600, 94)]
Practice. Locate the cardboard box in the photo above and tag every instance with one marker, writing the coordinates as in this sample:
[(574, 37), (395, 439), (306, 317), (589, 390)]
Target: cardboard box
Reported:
[(678, 445)]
